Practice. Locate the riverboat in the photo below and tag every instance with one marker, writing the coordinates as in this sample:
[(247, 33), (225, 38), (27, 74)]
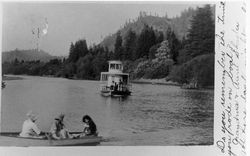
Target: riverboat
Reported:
[(13, 139), (115, 83)]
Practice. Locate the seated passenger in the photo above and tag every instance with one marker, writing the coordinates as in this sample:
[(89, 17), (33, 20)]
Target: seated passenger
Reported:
[(120, 85), (116, 87), (58, 130), (89, 126), (29, 128)]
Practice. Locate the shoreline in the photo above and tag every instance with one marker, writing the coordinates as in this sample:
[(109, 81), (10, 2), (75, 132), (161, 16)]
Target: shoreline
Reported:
[(168, 83), (12, 77), (135, 81), (155, 82)]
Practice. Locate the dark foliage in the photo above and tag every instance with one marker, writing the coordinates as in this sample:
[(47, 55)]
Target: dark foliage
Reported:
[(129, 46), (145, 41)]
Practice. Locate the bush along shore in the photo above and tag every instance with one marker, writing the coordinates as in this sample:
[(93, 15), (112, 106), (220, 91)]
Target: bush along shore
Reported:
[(151, 56)]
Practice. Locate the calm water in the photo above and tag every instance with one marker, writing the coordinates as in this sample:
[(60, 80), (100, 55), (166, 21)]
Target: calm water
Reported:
[(153, 115)]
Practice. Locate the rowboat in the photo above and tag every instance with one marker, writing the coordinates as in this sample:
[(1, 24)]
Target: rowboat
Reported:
[(13, 139)]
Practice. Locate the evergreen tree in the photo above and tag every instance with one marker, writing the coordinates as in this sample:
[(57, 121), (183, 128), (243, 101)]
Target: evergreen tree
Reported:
[(118, 46), (16, 61), (72, 55), (196, 57), (174, 44), (77, 50), (200, 39), (160, 37), (145, 41), (81, 48), (100, 62), (153, 50), (129, 45), (85, 67)]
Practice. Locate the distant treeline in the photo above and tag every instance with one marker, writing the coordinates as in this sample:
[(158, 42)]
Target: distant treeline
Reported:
[(151, 54)]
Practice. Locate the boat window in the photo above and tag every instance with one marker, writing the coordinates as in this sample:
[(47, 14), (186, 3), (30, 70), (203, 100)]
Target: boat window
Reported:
[(112, 66), (117, 66), (104, 77)]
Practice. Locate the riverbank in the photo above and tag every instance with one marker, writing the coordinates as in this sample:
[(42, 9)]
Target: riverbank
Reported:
[(164, 82), (8, 78), (155, 81), (136, 81)]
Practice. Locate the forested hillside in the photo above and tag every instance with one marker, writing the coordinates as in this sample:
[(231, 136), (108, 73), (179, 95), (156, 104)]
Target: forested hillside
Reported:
[(180, 49), (179, 25)]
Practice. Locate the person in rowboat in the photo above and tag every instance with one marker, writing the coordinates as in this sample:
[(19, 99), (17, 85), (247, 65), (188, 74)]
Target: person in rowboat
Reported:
[(58, 130), (30, 128), (89, 127)]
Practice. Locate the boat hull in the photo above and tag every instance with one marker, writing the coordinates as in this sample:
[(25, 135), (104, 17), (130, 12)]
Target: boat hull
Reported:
[(115, 93), (12, 139)]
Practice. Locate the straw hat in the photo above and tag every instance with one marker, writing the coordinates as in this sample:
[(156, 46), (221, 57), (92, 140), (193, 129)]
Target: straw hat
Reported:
[(31, 115)]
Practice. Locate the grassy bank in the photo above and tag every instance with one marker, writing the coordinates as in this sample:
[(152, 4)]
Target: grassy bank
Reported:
[(8, 78)]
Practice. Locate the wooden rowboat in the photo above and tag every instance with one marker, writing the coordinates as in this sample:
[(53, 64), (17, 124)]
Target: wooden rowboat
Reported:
[(13, 139)]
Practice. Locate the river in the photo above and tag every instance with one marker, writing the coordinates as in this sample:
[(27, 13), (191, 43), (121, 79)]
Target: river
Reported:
[(152, 115)]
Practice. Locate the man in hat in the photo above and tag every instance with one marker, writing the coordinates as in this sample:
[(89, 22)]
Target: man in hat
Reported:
[(58, 130), (30, 128)]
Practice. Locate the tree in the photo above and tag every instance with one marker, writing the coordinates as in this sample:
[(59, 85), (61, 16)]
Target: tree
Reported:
[(199, 70), (118, 46), (153, 50), (160, 37), (81, 48), (77, 50), (16, 61), (129, 45), (85, 67), (145, 41), (163, 52), (196, 58), (174, 44), (200, 38), (72, 55)]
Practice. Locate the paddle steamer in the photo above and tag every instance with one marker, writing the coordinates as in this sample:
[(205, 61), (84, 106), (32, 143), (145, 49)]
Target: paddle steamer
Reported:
[(114, 82)]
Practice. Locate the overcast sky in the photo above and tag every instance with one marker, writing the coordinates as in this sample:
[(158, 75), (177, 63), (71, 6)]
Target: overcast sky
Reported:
[(68, 22)]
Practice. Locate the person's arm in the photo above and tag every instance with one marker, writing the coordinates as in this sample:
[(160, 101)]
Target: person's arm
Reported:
[(55, 136), (92, 127), (53, 131), (36, 129)]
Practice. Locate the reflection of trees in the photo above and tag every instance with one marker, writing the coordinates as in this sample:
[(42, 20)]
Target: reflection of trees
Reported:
[(199, 107)]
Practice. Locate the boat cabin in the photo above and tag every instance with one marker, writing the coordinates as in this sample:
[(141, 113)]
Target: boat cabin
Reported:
[(115, 67)]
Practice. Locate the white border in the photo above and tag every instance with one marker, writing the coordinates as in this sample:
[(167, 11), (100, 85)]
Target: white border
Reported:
[(118, 150)]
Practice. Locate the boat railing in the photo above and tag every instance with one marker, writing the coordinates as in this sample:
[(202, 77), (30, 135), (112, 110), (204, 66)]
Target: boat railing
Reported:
[(105, 87)]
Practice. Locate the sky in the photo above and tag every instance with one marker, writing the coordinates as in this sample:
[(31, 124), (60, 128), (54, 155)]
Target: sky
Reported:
[(61, 23)]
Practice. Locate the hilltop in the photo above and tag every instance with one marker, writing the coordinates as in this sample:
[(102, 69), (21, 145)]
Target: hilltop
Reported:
[(179, 25), (26, 55)]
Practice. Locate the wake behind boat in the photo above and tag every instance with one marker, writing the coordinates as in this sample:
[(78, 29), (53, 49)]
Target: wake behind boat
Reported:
[(13, 139), (114, 82)]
